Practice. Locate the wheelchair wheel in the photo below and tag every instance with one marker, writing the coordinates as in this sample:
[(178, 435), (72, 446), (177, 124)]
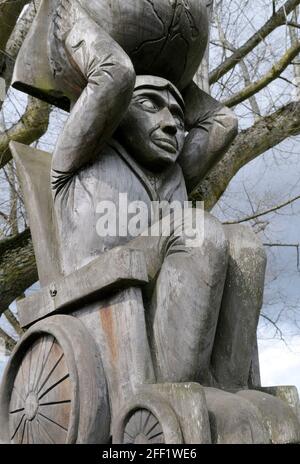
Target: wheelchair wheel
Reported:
[(54, 389), (148, 419)]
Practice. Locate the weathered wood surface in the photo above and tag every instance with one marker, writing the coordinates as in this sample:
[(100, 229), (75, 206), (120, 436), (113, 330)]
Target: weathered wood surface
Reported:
[(113, 270), (54, 388), (189, 403), (118, 326), (287, 393), (276, 416), (163, 416), (33, 169)]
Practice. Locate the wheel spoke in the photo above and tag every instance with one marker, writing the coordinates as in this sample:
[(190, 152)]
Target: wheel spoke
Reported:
[(16, 411), (23, 432), (59, 413), (54, 385), (146, 421), (30, 427), (128, 434), (141, 421), (44, 386), (23, 379), (128, 439), (51, 372), (143, 427), (152, 422), (45, 433), (153, 428), (57, 433), (136, 420), (36, 435), (38, 349), (52, 421), (19, 425), (44, 362), (25, 367), (155, 436), (53, 403), (29, 369), (18, 393)]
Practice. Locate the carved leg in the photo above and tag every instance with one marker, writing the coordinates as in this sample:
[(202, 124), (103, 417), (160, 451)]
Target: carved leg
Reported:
[(110, 80), (184, 308), (241, 305)]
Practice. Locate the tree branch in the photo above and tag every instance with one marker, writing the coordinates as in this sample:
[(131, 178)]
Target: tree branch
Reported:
[(17, 268), (278, 330), (270, 76), (9, 13), (13, 322), (277, 19), (288, 245), (263, 213), (32, 125), (9, 341), (293, 24), (266, 133)]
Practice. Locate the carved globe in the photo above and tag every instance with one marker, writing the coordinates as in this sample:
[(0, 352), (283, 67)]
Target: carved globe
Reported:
[(167, 38)]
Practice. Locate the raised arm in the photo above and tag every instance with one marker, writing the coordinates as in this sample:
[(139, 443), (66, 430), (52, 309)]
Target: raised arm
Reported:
[(211, 129), (110, 78)]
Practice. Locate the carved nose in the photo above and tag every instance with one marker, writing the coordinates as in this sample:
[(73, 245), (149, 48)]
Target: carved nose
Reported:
[(167, 123)]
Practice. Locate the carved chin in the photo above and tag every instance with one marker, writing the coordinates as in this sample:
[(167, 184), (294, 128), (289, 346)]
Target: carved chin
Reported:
[(165, 157)]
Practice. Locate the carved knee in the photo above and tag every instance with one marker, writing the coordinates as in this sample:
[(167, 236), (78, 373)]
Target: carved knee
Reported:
[(242, 238), (207, 226)]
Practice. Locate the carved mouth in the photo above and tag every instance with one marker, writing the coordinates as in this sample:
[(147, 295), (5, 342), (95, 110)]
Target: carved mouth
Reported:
[(166, 144)]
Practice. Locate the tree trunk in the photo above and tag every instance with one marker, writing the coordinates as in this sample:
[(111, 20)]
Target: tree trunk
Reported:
[(17, 268)]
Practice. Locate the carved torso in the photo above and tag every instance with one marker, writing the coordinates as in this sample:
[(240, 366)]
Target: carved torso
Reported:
[(112, 174)]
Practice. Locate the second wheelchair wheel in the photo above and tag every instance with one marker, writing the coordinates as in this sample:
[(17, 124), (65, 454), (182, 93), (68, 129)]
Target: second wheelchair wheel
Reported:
[(147, 419)]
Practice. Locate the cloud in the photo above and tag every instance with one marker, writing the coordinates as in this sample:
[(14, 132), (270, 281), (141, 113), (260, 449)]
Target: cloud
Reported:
[(280, 363)]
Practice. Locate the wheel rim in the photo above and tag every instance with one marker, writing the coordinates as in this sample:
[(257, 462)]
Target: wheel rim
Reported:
[(42, 395), (54, 388), (147, 419)]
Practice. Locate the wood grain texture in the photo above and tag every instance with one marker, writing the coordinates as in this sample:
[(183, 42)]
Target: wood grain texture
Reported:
[(113, 270)]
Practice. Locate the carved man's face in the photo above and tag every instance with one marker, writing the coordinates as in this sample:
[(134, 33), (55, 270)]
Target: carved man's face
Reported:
[(153, 128)]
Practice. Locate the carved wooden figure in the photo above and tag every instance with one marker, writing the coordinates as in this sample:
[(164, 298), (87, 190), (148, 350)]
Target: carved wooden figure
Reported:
[(147, 339)]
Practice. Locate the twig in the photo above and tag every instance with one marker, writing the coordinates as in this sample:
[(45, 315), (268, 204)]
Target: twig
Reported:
[(263, 213), (293, 24), (275, 21), (289, 245), (270, 76)]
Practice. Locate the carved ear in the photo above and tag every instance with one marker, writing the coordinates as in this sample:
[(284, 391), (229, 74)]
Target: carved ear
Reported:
[(33, 169)]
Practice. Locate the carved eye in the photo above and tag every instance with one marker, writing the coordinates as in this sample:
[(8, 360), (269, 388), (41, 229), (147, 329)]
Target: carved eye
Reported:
[(148, 104)]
